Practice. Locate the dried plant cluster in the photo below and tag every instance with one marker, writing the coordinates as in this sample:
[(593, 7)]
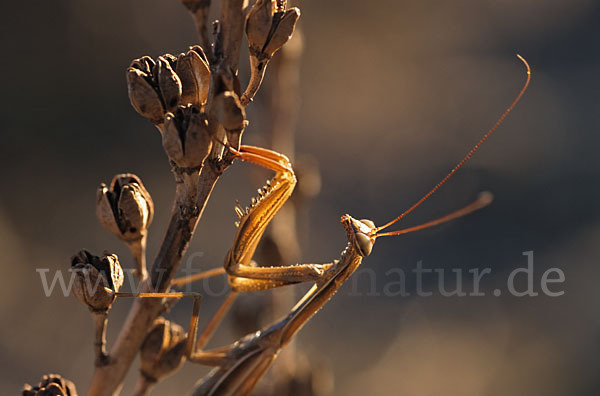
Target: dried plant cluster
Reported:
[(196, 102)]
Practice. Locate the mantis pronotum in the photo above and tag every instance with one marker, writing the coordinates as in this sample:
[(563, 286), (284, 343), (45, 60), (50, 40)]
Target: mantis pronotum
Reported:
[(239, 366)]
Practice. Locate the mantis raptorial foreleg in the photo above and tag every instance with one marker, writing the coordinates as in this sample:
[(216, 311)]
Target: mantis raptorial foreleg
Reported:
[(243, 274), (253, 222)]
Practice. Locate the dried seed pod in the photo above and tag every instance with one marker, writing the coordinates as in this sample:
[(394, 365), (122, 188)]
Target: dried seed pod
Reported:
[(51, 385), (163, 350), (258, 23), (143, 97), (194, 73), (284, 23), (168, 82), (126, 208), (97, 279), (268, 27), (232, 116), (186, 138), (154, 87)]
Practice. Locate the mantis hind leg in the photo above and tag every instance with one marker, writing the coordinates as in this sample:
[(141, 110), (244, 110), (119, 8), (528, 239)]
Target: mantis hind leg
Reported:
[(194, 343), (194, 352)]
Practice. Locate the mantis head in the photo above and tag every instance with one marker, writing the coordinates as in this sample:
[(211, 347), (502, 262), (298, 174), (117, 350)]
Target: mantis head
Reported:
[(361, 234)]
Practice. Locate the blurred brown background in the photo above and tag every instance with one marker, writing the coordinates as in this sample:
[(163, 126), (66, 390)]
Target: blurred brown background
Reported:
[(394, 93)]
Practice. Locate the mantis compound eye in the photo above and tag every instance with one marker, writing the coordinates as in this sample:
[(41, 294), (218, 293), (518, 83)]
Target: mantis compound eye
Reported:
[(364, 244), (368, 222)]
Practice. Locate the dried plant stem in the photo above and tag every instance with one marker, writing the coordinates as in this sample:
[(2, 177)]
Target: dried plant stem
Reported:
[(256, 79), (229, 34), (138, 250), (184, 217), (100, 321)]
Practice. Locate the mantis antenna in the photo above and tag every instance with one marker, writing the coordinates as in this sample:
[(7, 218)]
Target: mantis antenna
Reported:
[(463, 211), (485, 198)]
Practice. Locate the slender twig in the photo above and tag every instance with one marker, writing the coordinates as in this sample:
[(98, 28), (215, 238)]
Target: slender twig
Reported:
[(229, 34), (100, 320), (138, 250)]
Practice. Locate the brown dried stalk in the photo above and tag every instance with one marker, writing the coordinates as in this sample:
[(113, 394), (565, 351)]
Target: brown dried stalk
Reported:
[(190, 118), (193, 189)]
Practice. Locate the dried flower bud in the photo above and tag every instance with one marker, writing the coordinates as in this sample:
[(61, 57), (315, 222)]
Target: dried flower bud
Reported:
[(269, 26), (168, 82), (258, 22), (283, 32), (163, 350), (186, 138), (126, 208), (143, 95), (51, 385), (232, 116), (194, 73), (153, 87), (95, 276)]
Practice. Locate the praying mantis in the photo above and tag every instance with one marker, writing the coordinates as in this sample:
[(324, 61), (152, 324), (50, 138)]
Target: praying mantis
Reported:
[(239, 366)]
